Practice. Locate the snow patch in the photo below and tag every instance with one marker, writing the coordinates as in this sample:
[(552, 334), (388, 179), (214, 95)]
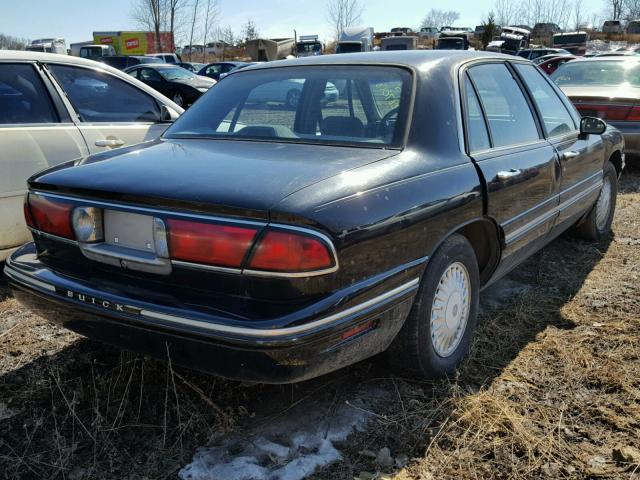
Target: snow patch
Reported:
[(290, 446)]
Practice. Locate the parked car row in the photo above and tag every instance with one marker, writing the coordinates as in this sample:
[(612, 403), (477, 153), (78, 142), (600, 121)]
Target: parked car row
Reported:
[(275, 243), (56, 108)]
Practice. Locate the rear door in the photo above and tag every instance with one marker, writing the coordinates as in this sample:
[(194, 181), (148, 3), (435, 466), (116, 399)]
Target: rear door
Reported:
[(580, 157), (110, 112), (36, 132), (520, 167)]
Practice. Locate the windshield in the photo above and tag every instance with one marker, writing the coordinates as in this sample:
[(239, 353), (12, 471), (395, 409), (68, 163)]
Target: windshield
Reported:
[(175, 73), (450, 43), (307, 47), (149, 60), (599, 73), (568, 39), (349, 47), (324, 104)]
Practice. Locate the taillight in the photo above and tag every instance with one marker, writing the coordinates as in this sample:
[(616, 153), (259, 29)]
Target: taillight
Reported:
[(211, 244), (280, 251), (51, 215), (28, 218), (615, 113)]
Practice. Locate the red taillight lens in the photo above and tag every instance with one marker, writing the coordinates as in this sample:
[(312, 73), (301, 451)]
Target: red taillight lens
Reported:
[(614, 113), (51, 216), (221, 245), (28, 218), (290, 252)]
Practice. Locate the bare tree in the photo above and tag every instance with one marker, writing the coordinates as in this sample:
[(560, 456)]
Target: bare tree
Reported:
[(250, 31), (149, 14), (440, 18), (578, 15), (7, 42), (158, 15), (209, 20), (193, 28), (342, 14), (506, 12)]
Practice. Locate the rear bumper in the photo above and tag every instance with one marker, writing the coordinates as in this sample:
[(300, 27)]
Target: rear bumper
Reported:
[(631, 134), (302, 345)]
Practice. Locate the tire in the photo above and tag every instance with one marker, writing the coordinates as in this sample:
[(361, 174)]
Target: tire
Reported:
[(178, 99), (415, 350), (597, 224), (293, 98)]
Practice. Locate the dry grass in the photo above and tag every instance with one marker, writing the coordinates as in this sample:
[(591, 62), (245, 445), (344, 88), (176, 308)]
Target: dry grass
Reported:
[(550, 390)]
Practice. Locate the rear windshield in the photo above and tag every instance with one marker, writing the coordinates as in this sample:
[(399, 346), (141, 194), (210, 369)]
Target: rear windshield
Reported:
[(362, 105), (568, 39), (598, 73)]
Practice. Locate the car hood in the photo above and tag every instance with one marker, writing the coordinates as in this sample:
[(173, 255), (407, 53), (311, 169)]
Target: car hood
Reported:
[(601, 93), (223, 176), (198, 82)]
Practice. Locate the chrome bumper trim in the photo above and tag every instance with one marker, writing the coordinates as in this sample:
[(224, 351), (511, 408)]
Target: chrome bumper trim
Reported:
[(372, 303), (281, 332)]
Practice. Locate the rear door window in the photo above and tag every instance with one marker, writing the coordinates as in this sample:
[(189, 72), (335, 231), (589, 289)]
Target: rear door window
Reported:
[(101, 97), (477, 135), (23, 96), (509, 116)]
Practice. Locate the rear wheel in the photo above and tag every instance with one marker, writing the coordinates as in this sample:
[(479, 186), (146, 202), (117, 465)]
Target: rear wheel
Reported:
[(293, 98), (597, 224), (437, 333)]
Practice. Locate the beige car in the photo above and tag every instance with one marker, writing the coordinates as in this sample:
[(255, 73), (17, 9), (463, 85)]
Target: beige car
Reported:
[(55, 108)]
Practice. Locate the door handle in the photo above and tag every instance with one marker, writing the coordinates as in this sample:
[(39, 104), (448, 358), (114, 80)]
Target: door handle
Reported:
[(114, 142), (568, 155), (508, 174)]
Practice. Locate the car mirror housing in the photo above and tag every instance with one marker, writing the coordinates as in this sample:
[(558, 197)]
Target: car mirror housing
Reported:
[(592, 125), (168, 114)]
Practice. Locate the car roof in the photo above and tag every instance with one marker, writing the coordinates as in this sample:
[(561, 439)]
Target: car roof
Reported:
[(24, 56), (408, 58), (155, 65)]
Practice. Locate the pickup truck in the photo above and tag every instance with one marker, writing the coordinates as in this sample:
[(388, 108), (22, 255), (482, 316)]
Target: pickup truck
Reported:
[(274, 246)]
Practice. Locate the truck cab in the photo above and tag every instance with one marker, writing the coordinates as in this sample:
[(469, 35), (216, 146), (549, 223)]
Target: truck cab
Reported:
[(94, 52)]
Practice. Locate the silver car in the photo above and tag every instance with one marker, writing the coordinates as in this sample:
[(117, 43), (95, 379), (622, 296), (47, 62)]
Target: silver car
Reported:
[(55, 108)]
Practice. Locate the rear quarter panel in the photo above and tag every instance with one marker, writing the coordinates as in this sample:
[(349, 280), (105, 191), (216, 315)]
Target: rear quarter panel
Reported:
[(389, 213)]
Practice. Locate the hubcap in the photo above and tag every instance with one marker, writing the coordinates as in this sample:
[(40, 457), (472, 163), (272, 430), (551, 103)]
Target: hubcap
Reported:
[(294, 98), (450, 309), (603, 206)]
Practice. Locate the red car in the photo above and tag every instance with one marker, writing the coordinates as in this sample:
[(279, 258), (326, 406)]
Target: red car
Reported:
[(552, 65)]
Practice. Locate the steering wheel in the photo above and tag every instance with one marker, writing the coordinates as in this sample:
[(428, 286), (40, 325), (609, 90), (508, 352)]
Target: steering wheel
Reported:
[(387, 119)]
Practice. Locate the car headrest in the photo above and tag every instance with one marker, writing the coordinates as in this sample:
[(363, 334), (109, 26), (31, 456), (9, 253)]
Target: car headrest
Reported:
[(342, 126)]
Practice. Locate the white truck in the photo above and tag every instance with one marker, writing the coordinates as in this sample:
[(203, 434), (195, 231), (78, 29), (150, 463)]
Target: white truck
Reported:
[(48, 45), (355, 39)]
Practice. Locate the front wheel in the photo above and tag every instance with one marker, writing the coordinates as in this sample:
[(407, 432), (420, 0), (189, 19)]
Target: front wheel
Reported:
[(597, 224), (438, 331)]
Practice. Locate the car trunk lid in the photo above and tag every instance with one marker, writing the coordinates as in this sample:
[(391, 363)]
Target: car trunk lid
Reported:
[(239, 178), (615, 103)]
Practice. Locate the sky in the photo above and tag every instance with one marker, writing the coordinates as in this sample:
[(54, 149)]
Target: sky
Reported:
[(75, 20)]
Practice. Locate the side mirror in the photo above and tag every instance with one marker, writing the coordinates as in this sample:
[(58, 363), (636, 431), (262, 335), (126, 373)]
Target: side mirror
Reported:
[(168, 114), (592, 125)]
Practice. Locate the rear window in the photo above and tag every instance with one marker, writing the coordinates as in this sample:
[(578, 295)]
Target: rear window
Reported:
[(598, 73), (325, 104)]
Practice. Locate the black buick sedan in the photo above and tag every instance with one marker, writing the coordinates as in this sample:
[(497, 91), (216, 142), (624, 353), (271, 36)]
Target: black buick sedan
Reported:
[(274, 245)]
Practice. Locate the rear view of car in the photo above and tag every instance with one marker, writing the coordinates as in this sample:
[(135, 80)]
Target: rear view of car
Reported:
[(607, 88)]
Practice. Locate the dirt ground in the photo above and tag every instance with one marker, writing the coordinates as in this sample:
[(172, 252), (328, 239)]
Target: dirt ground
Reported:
[(551, 388)]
